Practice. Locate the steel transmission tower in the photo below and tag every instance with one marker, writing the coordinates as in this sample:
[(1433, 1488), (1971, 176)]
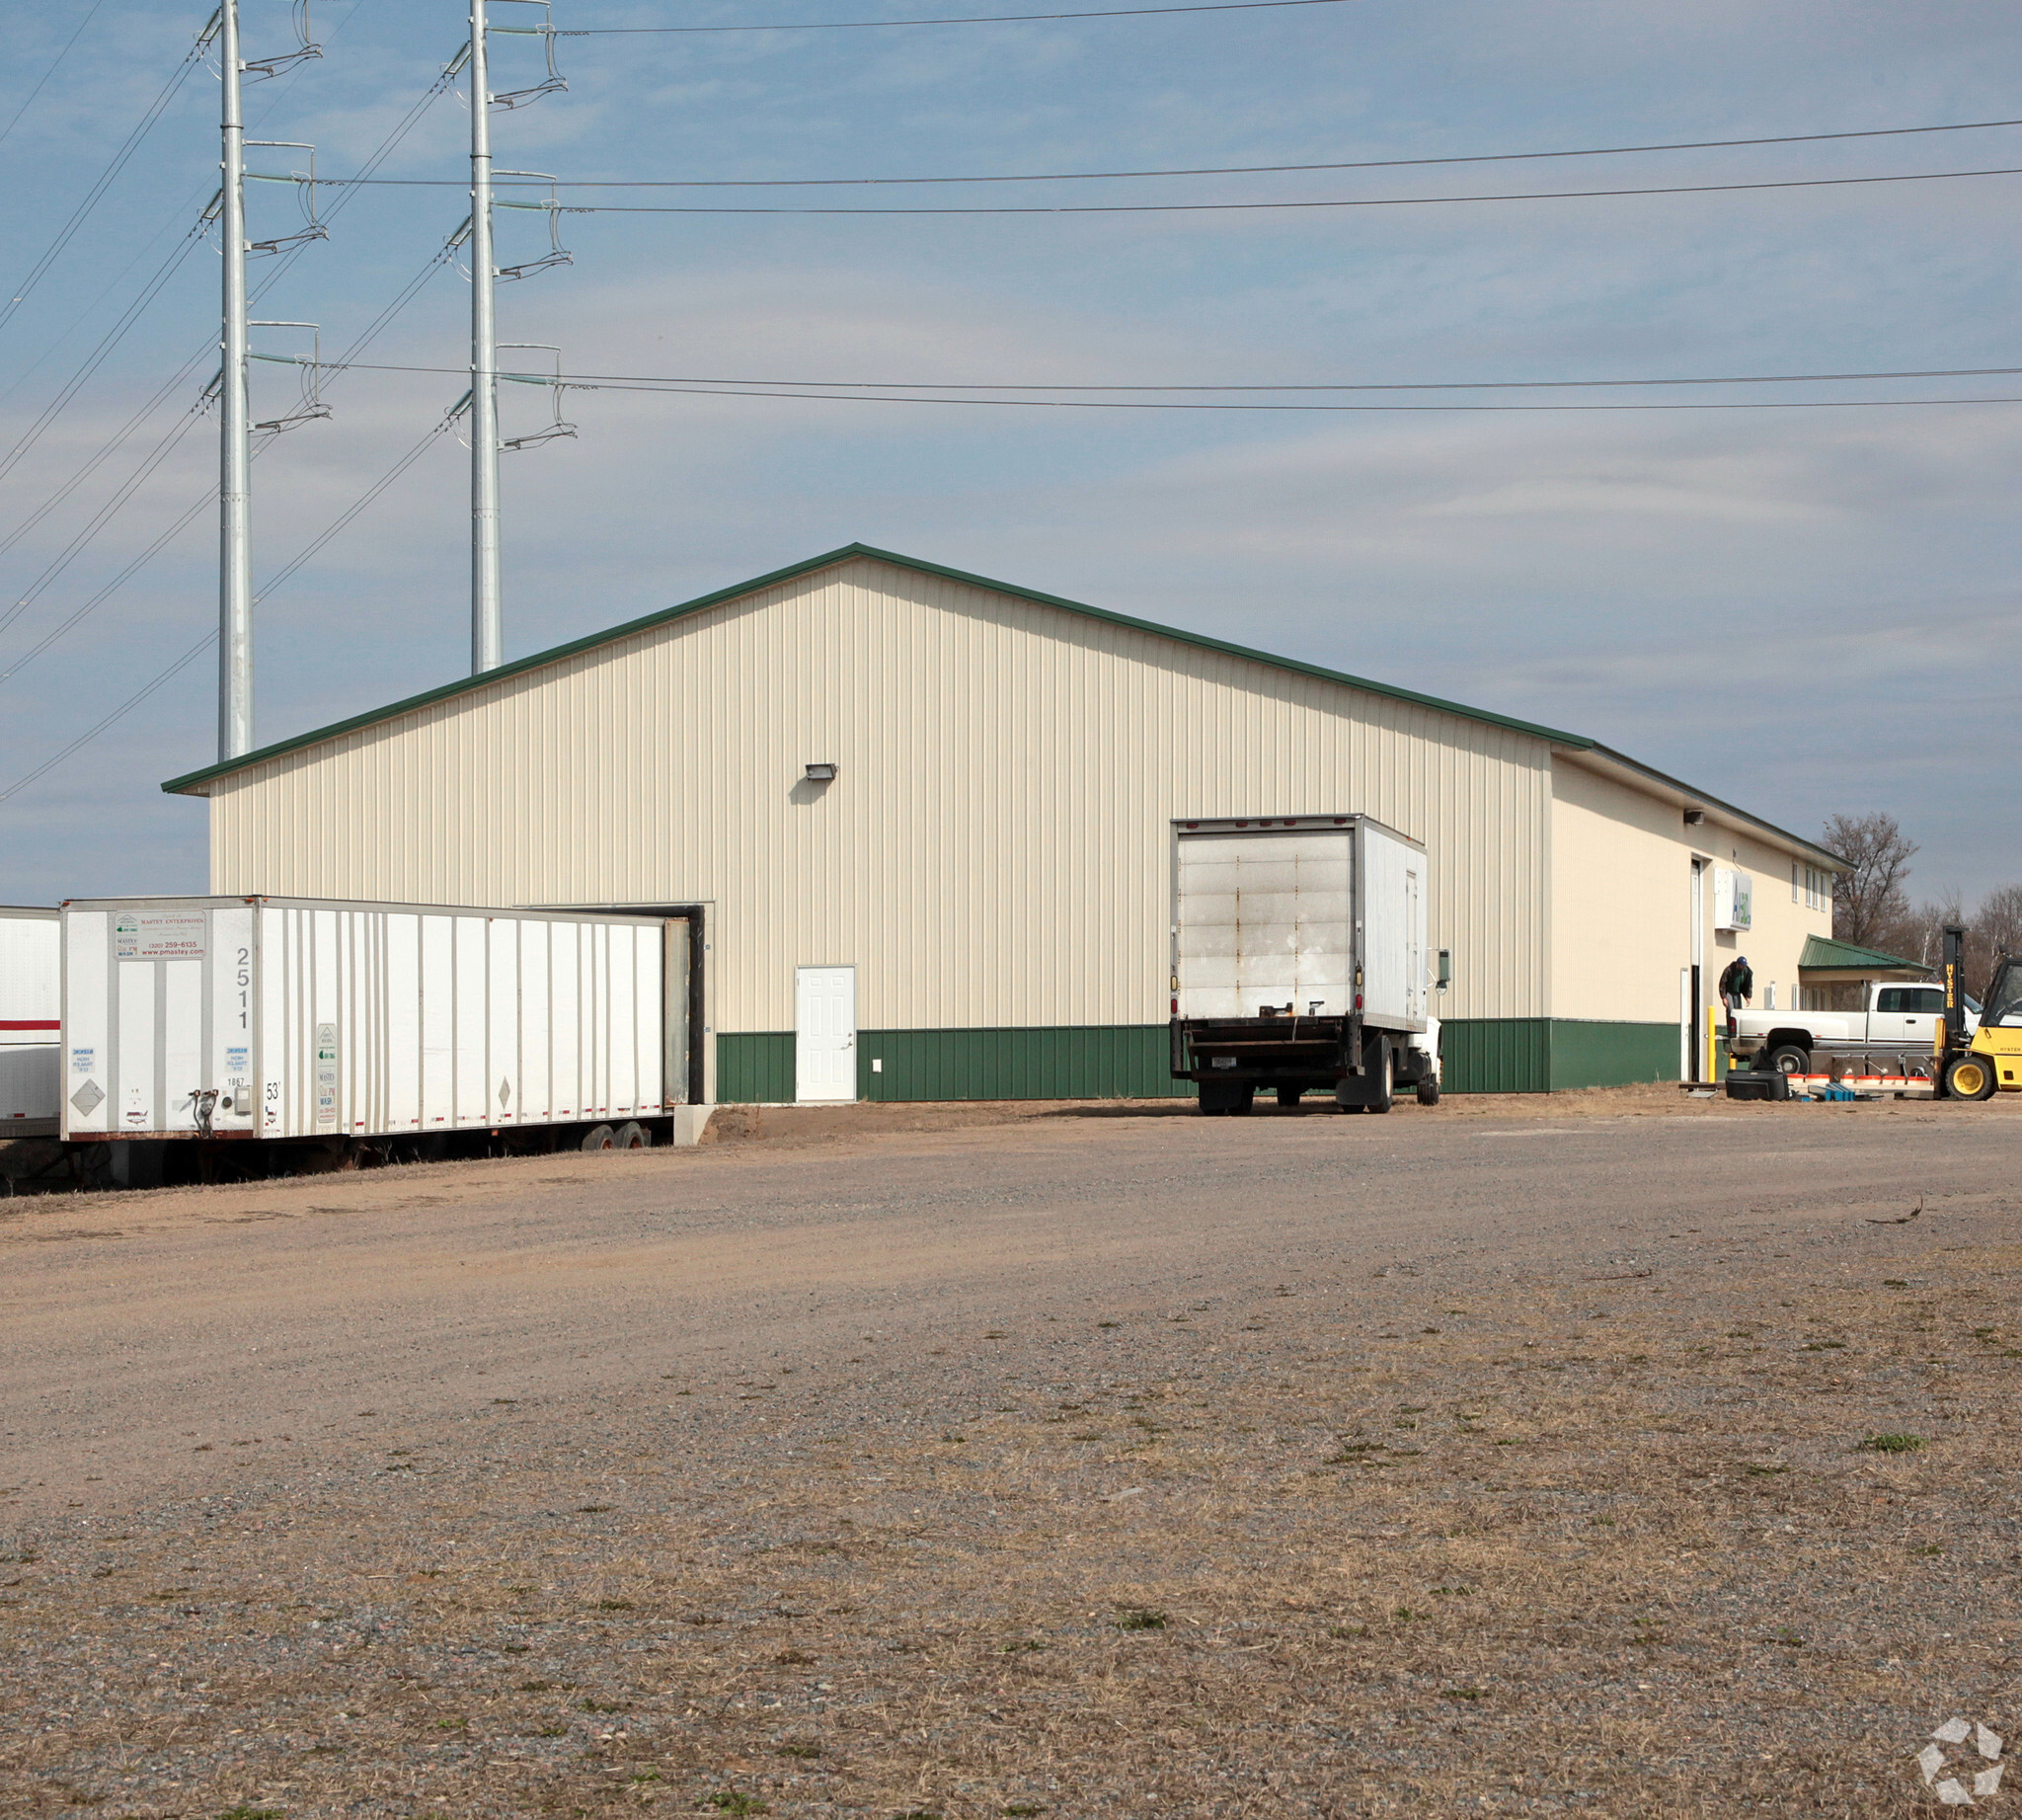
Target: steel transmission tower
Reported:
[(235, 475), (486, 631), (234, 376), (487, 635)]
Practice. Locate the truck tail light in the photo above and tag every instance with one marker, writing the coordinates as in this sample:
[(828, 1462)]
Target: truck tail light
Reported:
[(1358, 1001), (1176, 1008)]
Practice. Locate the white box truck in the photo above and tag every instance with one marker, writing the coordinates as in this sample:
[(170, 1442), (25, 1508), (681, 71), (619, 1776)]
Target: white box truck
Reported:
[(30, 1013), (1299, 962), (391, 1026)]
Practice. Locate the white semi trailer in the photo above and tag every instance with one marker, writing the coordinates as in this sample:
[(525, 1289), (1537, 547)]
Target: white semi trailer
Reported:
[(382, 1028), (29, 1022), (1299, 962)]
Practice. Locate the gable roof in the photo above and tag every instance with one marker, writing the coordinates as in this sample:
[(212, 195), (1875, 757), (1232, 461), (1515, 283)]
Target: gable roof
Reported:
[(190, 781), (850, 552)]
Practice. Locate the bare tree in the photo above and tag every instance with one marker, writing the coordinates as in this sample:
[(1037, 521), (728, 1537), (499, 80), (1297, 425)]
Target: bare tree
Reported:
[(1998, 925), (1870, 898), (1918, 934), (1993, 930)]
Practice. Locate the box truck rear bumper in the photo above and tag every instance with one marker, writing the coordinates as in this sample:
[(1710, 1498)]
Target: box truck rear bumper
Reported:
[(1267, 1050)]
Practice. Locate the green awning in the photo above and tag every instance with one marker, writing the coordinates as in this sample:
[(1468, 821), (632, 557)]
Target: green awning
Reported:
[(1824, 955)]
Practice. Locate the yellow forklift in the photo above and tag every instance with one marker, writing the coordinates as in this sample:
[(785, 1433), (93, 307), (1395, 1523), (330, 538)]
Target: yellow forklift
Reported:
[(1987, 1061)]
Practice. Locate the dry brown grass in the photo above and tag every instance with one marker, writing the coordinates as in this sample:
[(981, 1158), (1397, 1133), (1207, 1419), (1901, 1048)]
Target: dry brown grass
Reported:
[(1458, 1541)]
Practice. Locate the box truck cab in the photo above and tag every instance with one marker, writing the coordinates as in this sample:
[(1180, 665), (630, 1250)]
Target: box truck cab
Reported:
[(1299, 962)]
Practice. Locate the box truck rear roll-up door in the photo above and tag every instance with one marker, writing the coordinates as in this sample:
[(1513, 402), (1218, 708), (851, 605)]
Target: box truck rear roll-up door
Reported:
[(1264, 919)]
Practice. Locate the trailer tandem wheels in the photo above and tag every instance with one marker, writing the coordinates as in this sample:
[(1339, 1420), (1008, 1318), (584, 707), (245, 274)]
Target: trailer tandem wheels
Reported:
[(1299, 962)]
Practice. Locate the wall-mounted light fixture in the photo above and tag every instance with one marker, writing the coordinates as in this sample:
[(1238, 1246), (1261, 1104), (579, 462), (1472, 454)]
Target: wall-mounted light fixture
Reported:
[(821, 773)]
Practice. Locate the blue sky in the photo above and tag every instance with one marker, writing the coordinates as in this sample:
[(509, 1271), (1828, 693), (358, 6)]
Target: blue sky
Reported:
[(1802, 611)]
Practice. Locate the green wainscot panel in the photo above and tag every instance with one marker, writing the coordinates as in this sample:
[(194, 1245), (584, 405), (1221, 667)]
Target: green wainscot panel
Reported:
[(1484, 1055), (1062, 1062), (1595, 1054), (1495, 1055), (755, 1067)]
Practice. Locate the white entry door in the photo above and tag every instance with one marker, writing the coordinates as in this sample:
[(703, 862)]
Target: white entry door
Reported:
[(824, 1033)]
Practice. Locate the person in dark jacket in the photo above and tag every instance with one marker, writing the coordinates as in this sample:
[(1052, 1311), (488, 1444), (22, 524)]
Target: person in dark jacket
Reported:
[(1737, 987)]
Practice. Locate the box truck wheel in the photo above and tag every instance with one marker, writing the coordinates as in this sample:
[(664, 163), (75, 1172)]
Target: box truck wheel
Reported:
[(632, 1136), (600, 1137)]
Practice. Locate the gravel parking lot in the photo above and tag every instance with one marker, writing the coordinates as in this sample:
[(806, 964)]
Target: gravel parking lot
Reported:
[(1612, 1454)]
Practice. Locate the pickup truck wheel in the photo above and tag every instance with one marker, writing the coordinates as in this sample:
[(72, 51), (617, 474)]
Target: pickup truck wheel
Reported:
[(1787, 1059), (1969, 1076)]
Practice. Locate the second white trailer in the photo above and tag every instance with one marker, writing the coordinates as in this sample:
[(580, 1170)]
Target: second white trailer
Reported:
[(30, 1013), (285, 1018)]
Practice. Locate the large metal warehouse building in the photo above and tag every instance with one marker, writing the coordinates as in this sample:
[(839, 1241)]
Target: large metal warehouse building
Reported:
[(925, 818)]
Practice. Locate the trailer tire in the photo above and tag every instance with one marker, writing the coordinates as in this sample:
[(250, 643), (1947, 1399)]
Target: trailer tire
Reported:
[(599, 1137), (1787, 1059), (1429, 1090), (632, 1136)]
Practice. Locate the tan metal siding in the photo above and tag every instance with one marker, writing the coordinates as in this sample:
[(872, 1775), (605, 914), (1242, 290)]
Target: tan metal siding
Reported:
[(1621, 902), (994, 851)]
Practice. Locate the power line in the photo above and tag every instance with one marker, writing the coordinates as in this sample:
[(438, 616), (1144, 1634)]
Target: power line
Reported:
[(585, 381), (96, 523), (1117, 404), (883, 392), (986, 19), (281, 575), (120, 159), (103, 351), (52, 70), (133, 701), (1208, 170), (151, 462), (1374, 201)]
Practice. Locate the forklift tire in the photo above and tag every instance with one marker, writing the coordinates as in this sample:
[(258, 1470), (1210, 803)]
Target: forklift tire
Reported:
[(1429, 1090), (1969, 1076)]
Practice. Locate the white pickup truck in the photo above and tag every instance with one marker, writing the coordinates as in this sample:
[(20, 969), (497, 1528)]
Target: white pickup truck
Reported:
[(1893, 1019)]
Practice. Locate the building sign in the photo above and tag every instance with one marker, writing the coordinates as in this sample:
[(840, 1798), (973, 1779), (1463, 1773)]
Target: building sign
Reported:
[(1734, 899)]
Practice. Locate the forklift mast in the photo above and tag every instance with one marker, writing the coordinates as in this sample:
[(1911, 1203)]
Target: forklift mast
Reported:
[(1955, 987)]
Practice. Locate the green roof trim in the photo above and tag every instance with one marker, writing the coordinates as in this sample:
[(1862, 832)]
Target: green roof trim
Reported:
[(848, 553), (1822, 951)]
